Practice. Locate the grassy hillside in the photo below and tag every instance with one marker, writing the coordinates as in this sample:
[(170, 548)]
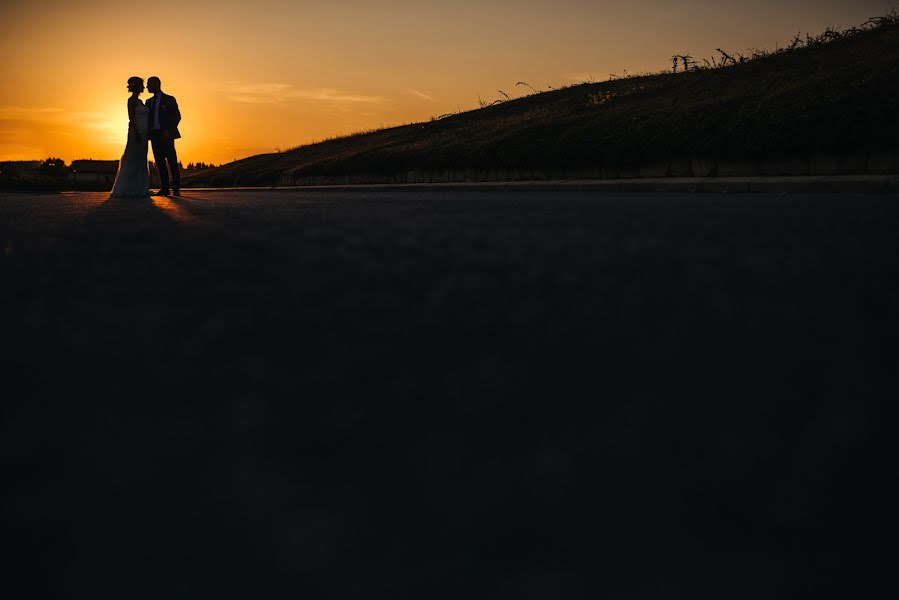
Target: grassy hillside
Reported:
[(835, 94)]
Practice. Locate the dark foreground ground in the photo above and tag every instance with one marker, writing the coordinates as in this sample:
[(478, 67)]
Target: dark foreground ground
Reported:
[(409, 395)]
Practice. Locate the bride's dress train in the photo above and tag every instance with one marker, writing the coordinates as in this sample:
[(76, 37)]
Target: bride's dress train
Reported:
[(133, 178)]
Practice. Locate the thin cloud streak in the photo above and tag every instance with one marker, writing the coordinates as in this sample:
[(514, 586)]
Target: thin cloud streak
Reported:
[(14, 151), (14, 133), (61, 123), (419, 94), (54, 115), (279, 93), (26, 113)]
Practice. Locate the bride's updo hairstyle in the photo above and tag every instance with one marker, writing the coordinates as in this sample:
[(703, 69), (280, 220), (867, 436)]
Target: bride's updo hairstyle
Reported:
[(135, 82)]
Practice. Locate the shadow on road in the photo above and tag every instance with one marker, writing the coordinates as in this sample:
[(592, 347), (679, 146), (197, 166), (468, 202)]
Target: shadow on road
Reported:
[(362, 394)]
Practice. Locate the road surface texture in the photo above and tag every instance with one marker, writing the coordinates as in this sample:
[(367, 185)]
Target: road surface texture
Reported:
[(354, 394)]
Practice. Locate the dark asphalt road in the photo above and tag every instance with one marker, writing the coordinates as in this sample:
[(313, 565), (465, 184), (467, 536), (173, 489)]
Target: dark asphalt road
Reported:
[(427, 395)]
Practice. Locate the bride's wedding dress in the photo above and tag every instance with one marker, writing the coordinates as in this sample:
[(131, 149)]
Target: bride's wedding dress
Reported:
[(133, 178)]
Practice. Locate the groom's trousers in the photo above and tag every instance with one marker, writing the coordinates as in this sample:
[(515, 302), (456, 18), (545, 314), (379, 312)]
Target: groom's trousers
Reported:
[(164, 153)]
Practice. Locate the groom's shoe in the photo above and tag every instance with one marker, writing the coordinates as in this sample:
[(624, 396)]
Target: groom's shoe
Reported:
[(177, 192), (161, 193)]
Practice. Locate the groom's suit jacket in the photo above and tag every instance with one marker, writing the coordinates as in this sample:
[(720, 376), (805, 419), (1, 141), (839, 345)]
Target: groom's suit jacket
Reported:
[(169, 115)]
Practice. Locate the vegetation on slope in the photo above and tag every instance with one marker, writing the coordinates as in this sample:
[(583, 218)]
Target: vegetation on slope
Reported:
[(832, 93)]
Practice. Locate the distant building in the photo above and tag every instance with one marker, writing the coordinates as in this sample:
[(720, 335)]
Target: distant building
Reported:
[(93, 171), (18, 168)]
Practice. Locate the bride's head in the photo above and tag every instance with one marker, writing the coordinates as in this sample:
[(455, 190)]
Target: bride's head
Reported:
[(135, 84)]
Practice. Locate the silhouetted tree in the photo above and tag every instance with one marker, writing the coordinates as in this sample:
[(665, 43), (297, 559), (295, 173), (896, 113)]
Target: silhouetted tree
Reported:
[(198, 166), (53, 167)]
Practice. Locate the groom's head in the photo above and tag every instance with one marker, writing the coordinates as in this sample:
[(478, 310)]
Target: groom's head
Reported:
[(154, 85)]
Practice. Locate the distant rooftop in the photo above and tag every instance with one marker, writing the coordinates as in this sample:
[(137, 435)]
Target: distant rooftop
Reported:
[(95, 166)]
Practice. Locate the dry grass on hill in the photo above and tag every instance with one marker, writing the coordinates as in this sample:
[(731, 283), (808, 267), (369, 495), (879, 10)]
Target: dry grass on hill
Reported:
[(833, 93)]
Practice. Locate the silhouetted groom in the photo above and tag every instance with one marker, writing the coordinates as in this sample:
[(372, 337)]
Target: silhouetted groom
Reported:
[(164, 118)]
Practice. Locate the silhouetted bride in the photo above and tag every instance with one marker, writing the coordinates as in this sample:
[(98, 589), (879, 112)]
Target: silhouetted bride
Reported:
[(133, 179)]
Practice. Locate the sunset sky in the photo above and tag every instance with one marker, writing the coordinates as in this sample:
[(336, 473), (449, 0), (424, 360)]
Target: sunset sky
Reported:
[(257, 75)]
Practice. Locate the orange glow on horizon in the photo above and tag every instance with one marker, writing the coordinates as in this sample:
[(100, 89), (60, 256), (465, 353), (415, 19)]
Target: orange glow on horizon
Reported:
[(255, 77)]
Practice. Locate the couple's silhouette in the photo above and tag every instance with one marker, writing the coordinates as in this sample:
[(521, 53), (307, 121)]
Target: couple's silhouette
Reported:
[(155, 122)]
